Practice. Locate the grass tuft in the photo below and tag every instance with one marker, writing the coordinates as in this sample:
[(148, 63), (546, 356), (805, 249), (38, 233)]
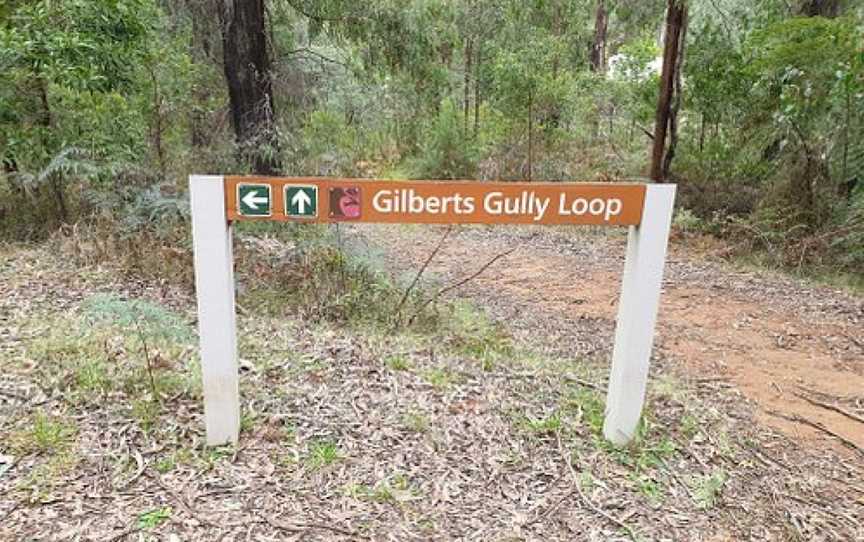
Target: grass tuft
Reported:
[(154, 518), (398, 362), (46, 435), (322, 453)]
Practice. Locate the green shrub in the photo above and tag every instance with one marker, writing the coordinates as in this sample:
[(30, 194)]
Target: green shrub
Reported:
[(446, 152)]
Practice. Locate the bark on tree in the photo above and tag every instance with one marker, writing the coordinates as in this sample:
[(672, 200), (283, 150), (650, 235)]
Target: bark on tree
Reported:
[(676, 11), (477, 89), (597, 56), (676, 99), (156, 124), (200, 49), (250, 87), (598, 46), (55, 179), (466, 102), (530, 136)]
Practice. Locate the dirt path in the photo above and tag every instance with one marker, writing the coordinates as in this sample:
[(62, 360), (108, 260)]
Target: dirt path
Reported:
[(791, 349)]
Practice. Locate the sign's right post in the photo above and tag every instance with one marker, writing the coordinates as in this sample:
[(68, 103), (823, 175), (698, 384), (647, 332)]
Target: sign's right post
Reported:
[(637, 314)]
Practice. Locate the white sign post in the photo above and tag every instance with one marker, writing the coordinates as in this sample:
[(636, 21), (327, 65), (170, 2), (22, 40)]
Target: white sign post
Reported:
[(214, 287), (637, 314), (214, 283)]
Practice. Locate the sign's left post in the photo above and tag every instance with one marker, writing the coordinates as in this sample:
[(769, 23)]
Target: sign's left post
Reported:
[(214, 287)]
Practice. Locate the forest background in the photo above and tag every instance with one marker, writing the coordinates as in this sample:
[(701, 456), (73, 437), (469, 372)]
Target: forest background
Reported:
[(106, 107)]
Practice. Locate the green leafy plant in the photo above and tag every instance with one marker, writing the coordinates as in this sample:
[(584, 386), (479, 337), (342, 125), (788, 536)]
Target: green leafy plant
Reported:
[(45, 435), (322, 453), (707, 490)]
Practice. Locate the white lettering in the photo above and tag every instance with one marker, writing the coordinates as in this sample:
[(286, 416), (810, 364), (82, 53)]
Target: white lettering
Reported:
[(492, 203), (380, 203), (613, 208), (542, 205)]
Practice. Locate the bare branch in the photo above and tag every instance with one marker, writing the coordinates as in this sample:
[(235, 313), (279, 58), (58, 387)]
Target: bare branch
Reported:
[(828, 406), (420, 272), (308, 51), (462, 282)]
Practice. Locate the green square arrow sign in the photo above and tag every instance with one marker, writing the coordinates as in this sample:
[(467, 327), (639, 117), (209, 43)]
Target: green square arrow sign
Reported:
[(301, 201), (253, 199)]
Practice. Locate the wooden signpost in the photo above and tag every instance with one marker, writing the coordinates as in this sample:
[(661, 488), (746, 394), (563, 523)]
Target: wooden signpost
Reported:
[(218, 201)]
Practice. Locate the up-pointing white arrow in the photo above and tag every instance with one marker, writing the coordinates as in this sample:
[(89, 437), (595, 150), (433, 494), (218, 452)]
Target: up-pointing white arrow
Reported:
[(252, 199), (301, 199)]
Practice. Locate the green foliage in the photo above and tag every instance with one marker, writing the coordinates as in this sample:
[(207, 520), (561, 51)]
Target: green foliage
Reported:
[(82, 44), (416, 421), (398, 363), (474, 334), (327, 278), (322, 453), (548, 425), (440, 378), (331, 144), (446, 152), (108, 105), (134, 349), (154, 518), (46, 435), (707, 490), (155, 321)]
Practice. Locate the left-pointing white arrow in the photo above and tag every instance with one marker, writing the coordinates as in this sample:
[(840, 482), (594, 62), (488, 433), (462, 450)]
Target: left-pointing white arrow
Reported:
[(252, 199)]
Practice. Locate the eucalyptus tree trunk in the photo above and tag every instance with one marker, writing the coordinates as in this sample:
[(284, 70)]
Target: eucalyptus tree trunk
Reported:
[(477, 66), (676, 13), (597, 56), (201, 48), (598, 46), (676, 99), (466, 99), (250, 87)]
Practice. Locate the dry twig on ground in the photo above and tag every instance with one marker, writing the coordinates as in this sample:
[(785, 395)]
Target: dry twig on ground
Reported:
[(588, 502), (828, 406), (818, 426)]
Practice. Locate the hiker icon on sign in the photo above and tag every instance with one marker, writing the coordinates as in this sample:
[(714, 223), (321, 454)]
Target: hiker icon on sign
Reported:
[(345, 202)]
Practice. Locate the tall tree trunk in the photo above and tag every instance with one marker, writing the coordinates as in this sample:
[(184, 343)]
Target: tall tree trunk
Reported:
[(477, 89), (675, 13), (200, 49), (156, 127), (250, 88), (598, 46), (597, 57), (466, 101), (676, 99), (530, 136), (55, 179)]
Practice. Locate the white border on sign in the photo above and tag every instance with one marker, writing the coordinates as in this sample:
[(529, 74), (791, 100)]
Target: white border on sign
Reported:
[(285, 201)]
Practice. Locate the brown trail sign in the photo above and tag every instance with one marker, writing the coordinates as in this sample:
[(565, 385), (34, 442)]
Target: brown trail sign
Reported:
[(433, 202), (219, 201)]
